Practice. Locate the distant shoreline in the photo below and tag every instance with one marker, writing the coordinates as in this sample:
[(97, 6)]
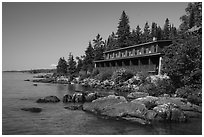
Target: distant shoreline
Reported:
[(34, 71)]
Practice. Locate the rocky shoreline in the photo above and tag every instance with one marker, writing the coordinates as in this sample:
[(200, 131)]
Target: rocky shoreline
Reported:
[(139, 107)]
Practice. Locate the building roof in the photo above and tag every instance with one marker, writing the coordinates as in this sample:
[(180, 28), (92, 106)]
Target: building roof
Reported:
[(129, 57), (158, 41)]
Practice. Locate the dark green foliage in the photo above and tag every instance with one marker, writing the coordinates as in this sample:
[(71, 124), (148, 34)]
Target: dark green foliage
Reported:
[(98, 45), (136, 36), (62, 67), (123, 31), (88, 63), (193, 16), (154, 30), (94, 72), (71, 65), (111, 42), (104, 76), (79, 64), (161, 87), (183, 60), (146, 36), (166, 31), (121, 75), (193, 95)]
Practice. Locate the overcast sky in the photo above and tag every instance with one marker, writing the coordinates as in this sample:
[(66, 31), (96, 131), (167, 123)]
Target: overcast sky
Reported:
[(36, 35)]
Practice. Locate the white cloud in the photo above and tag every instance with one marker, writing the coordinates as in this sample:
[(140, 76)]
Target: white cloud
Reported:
[(53, 65)]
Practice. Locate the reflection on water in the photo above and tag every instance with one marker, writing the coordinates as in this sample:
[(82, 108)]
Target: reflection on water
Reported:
[(54, 119)]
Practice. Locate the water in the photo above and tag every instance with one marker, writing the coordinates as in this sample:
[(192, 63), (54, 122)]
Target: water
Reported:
[(54, 119)]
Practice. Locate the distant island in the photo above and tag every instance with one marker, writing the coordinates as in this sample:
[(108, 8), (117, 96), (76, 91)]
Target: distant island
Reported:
[(34, 71)]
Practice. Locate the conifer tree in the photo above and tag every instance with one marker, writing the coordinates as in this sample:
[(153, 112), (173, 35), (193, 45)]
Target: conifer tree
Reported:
[(154, 30), (111, 42), (71, 65), (166, 29), (62, 67), (123, 32), (98, 45), (146, 34), (88, 63)]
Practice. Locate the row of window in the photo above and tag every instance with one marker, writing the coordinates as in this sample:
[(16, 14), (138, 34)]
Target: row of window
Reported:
[(133, 52)]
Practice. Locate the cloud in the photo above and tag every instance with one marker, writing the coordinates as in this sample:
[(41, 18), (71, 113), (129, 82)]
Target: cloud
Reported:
[(53, 65)]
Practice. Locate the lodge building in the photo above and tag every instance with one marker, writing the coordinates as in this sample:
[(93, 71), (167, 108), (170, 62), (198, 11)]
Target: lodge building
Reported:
[(145, 57)]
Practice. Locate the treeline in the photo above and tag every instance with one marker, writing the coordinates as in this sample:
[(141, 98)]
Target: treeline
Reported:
[(124, 37), (182, 60)]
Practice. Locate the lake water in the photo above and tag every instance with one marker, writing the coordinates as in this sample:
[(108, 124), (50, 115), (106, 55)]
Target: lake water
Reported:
[(54, 119)]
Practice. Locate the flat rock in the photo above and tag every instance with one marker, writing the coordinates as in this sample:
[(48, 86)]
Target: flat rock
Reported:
[(48, 99), (32, 109)]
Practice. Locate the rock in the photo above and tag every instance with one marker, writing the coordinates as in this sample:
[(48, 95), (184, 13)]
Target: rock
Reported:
[(32, 109), (169, 112), (78, 97), (148, 101), (135, 95), (48, 99), (67, 98), (180, 102), (90, 97), (124, 109), (74, 107), (101, 103), (117, 107), (27, 80), (150, 115), (35, 84)]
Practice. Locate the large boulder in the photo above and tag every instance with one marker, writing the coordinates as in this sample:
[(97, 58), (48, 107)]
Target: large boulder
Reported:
[(48, 99), (32, 109), (135, 95), (117, 107), (101, 103), (78, 97)]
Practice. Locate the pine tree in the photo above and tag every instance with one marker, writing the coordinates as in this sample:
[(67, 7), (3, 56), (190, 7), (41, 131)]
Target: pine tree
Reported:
[(166, 29), (62, 67), (138, 34), (159, 34), (123, 32), (98, 45), (146, 37), (88, 63), (71, 65), (79, 64), (154, 30), (111, 42)]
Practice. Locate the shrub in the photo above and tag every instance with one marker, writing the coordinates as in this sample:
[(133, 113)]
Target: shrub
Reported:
[(94, 72), (193, 95), (104, 76), (121, 75), (164, 86)]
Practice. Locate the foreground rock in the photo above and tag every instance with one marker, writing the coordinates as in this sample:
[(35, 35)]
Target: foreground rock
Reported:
[(117, 107), (145, 110), (48, 99), (32, 109)]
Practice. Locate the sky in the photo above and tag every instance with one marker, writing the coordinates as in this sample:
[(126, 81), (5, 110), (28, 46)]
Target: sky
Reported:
[(36, 35)]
